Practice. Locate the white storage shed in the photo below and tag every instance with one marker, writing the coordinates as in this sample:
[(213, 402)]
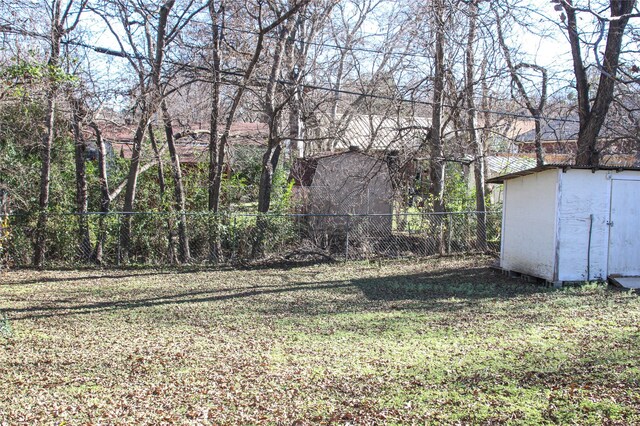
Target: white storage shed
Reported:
[(570, 223)]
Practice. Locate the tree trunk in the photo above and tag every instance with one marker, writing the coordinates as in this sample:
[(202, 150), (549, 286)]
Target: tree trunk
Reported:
[(173, 258), (269, 164), (47, 142), (537, 120), (272, 154), (270, 161), (474, 140), (593, 115), (295, 125), (132, 183), (436, 162), (82, 202), (217, 19), (149, 98), (273, 115), (105, 199), (486, 125), (183, 237), (45, 178)]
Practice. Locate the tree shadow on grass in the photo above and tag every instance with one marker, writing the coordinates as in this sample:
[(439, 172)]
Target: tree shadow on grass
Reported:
[(44, 279), (204, 296), (40, 277), (430, 290), (434, 287), (468, 283)]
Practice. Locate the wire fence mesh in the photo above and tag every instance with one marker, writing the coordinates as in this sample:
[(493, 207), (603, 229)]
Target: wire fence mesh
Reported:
[(162, 239)]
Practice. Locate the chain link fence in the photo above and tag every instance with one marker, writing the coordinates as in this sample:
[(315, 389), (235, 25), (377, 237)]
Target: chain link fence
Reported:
[(162, 239)]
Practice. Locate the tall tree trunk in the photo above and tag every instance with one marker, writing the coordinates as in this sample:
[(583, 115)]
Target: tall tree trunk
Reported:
[(273, 118), (183, 237), (82, 202), (474, 139), (272, 154), (45, 177), (105, 199), (486, 126), (216, 147), (217, 20), (132, 184), (47, 141), (436, 162), (173, 258), (296, 146), (150, 97)]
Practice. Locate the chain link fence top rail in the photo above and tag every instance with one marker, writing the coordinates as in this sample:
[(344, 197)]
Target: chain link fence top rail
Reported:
[(163, 239)]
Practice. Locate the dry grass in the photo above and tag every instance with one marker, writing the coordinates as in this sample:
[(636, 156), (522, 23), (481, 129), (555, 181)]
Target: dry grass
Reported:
[(441, 342)]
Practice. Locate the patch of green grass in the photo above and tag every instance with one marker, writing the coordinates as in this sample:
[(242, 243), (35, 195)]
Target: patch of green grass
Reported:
[(436, 342)]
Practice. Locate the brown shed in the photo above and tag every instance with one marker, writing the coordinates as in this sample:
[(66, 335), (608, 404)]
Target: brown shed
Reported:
[(344, 183)]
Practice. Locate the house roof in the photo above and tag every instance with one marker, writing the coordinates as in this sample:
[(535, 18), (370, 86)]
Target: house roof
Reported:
[(553, 130), (379, 133), (191, 149), (566, 128), (503, 178), (370, 132)]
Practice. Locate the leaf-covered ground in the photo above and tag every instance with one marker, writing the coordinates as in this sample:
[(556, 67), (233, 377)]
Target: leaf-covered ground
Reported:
[(436, 342)]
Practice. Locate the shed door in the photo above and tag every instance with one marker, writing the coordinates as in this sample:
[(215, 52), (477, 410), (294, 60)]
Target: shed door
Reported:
[(624, 230)]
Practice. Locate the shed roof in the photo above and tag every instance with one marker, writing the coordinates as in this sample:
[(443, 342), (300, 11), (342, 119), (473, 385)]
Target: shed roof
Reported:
[(501, 179), (502, 164), (381, 133), (303, 169)]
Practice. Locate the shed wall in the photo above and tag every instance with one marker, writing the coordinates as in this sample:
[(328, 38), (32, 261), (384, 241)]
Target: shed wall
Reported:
[(351, 183), (624, 232), (529, 224), (583, 193), (356, 184)]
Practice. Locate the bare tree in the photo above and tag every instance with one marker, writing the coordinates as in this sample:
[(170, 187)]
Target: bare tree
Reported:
[(64, 19), (436, 148), (105, 198), (535, 109), (220, 146), (219, 139), (147, 58), (474, 140), (79, 114), (592, 110)]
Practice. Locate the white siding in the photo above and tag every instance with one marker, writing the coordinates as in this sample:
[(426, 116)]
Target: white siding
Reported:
[(547, 220), (529, 224), (624, 233), (583, 193)]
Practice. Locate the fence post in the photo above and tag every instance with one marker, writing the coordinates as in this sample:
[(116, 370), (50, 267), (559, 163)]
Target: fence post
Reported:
[(235, 239), (346, 247), (118, 248), (449, 231)]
